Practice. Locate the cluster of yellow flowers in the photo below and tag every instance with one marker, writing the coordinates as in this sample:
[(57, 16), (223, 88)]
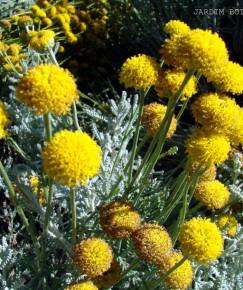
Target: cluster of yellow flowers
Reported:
[(11, 56), (37, 189), (41, 40), (69, 19)]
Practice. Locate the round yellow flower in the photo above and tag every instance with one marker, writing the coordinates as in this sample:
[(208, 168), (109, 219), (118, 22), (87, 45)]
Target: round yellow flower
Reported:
[(41, 40), (208, 175), (153, 115), (110, 277), (47, 88), (85, 285), (152, 242), (216, 112), (230, 78), (4, 120), (119, 219), (70, 158), (169, 82), (139, 72), (229, 223), (93, 257), (236, 134), (181, 278), (207, 149), (172, 52), (25, 20), (206, 51), (213, 194), (201, 239), (176, 27)]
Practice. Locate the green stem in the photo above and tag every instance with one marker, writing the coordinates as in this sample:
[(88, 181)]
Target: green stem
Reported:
[(74, 214), (48, 127), (75, 116), (48, 206), (183, 107), (135, 140), (18, 149)]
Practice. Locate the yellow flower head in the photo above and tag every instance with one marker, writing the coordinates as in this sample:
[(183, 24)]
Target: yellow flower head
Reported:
[(85, 285), (110, 277), (4, 120), (153, 115), (139, 72), (213, 194), (208, 175), (229, 223), (216, 112), (237, 132), (41, 40), (152, 242), (230, 78), (206, 51), (14, 49), (93, 257), (47, 88), (201, 239), (25, 20), (173, 53), (71, 158), (181, 278), (176, 27), (169, 82), (207, 149), (119, 219)]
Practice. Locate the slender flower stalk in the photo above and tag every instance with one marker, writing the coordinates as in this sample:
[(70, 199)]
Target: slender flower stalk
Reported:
[(74, 214)]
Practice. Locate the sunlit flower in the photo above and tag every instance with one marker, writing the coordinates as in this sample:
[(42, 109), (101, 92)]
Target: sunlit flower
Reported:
[(41, 40), (169, 82), (201, 239), (93, 257), (228, 223), (207, 149), (152, 242), (230, 78), (47, 88), (213, 194), (153, 116), (181, 278), (84, 285), (176, 27), (119, 219), (216, 112), (139, 72), (71, 158), (37, 189)]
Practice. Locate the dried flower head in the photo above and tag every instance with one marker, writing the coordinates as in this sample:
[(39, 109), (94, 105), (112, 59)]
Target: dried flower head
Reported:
[(152, 242), (119, 219), (110, 277), (153, 116), (201, 239), (47, 88), (93, 257), (71, 158)]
